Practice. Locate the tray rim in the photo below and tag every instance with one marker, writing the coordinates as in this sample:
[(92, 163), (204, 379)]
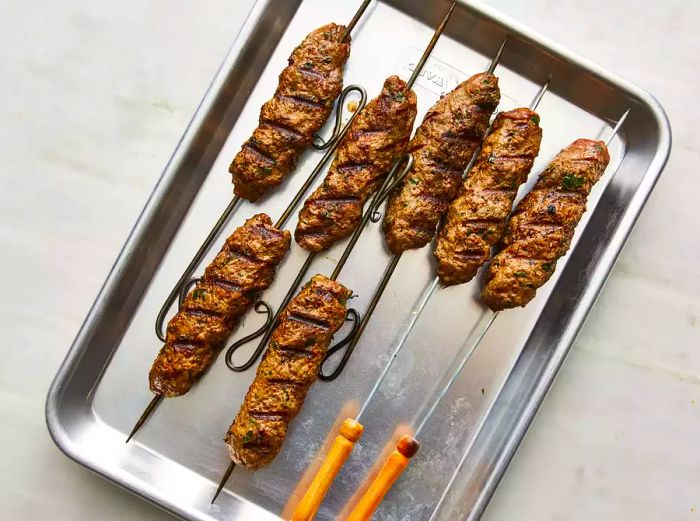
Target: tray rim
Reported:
[(603, 267)]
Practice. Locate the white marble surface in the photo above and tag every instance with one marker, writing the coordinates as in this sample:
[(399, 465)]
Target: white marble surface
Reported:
[(94, 98)]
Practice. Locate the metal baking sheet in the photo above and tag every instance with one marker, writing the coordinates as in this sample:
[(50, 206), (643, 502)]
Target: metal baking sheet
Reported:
[(177, 459)]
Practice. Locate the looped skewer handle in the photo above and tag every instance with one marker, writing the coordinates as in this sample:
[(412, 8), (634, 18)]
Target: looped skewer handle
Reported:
[(393, 467), (319, 143), (353, 316), (361, 328), (260, 307), (267, 328), (350, 432)]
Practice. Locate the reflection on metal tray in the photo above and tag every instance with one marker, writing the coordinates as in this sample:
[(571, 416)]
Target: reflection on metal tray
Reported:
[(178, 457)]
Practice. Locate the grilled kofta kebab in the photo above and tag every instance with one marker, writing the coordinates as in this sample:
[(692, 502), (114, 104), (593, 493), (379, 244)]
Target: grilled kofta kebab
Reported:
[(377, 137), (442, 148), (297, 348), (300, 106), (477, 217), (230, 285), (543, 224)]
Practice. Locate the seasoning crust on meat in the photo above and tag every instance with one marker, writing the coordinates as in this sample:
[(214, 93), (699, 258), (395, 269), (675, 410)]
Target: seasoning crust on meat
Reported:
[(285, 374), (477, 217), (543, 224), (301, 105), (230, 285), (379, 134), (442, 148)]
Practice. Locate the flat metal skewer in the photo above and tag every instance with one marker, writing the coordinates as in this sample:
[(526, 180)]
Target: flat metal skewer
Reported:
[(360, 11), (491, 319), (408, 446), (144, 416)]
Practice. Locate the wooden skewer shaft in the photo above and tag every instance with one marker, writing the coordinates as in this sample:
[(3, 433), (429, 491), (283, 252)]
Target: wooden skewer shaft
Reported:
[(350, 432), (392, 469)]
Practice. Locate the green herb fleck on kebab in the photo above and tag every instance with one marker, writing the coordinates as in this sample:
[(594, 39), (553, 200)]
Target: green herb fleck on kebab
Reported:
[(571, 182)]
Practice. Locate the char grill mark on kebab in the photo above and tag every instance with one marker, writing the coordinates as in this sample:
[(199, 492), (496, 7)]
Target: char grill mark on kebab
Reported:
[(230, 285), (442, 148), (286, 372), (378, 136), (477, 217), (299, 108), (542, 227)]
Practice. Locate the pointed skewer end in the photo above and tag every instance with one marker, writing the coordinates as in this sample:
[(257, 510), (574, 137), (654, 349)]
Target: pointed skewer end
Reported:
[(497, 58), (360, 11), (223, 481), (429, 48), (144, 416), (617, 127)]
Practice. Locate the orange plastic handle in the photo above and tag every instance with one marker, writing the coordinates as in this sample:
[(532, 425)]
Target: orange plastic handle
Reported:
[(338, 454), (395, 464)]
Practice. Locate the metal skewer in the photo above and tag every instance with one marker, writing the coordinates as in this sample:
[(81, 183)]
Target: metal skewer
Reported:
[(387, 274), (261, 306), (360, 11), (353, 315), (371, 214), (408, 446)]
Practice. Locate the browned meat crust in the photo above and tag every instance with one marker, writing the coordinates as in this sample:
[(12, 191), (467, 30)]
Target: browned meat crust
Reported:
[(379, 134), (442, 148), (477, 217), (301, 105), (230, 285), (286, 372), (543, 224)]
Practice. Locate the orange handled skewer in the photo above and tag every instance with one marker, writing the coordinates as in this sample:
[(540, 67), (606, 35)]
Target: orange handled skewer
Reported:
[(339, 452), (394, 466)]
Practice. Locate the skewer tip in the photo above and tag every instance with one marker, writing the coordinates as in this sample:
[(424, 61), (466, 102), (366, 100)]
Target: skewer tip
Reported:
[(431, 45), (144, 416), (223, 481), (360, 11), (497, 58), (617, 127), (541, 93)]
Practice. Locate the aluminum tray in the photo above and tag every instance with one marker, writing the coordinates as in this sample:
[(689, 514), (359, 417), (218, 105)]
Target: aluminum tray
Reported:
[(178, 457)]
